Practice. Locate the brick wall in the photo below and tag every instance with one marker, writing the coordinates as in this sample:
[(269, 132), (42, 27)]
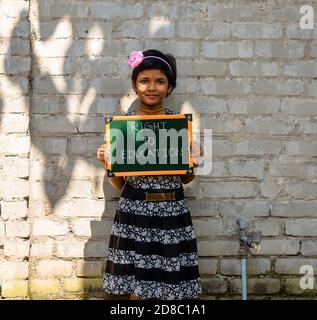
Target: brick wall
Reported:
[(15, 142), (245, 69)]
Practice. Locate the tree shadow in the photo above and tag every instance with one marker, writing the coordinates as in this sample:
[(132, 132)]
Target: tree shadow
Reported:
[(60, 139)]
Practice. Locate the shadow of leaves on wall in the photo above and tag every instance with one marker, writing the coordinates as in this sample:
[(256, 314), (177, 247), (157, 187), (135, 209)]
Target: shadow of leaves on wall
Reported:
[(70, 95)]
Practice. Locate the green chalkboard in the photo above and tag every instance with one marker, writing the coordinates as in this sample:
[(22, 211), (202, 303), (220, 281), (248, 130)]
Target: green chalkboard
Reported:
[(150, 145)]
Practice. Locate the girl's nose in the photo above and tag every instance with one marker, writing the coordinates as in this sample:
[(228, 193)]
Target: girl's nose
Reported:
[(151, 85)]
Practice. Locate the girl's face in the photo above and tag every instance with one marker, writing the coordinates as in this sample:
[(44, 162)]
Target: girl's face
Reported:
[(152, 86)]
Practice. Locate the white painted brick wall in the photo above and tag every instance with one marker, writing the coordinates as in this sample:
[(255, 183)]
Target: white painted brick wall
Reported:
[(49, 228), (51, 268), (248, 72)]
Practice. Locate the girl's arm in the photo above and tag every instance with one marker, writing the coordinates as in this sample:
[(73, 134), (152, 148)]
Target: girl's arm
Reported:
[(103, 155), (117, 182), (197, 153), (187, 178)]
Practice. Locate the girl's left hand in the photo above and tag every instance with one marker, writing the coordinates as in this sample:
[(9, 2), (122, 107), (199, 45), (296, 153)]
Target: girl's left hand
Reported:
[(197, 152)]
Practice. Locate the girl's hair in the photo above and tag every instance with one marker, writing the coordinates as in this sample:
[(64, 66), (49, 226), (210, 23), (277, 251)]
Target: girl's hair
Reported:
[(153, 63)]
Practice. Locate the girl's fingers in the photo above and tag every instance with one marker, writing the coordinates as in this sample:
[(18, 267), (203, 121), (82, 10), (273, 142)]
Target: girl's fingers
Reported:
[(106, 155), (103, 153), (103, 149)]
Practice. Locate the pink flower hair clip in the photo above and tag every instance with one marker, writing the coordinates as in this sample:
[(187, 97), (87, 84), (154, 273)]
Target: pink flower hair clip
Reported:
[(135, 58)]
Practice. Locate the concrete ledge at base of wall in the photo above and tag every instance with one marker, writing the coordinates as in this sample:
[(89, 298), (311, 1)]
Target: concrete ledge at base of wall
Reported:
[(213, 288)]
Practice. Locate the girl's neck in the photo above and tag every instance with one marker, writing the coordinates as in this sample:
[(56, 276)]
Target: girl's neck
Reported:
[(150, 110)]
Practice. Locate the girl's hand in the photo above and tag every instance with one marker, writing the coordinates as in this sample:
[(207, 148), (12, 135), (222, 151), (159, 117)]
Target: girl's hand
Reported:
[(103, 154), (197, 152)]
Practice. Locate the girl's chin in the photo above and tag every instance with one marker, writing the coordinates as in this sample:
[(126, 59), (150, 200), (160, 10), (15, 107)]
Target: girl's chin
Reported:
[(151, 102)]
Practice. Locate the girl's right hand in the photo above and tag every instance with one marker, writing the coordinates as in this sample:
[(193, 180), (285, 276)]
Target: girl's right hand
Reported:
[(103, 154)]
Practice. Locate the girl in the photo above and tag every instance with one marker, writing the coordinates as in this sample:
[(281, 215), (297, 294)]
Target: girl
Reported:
[(152, 249)]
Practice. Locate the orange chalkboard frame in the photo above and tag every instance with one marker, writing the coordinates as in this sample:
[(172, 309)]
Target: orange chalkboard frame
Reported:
[(189, 170)]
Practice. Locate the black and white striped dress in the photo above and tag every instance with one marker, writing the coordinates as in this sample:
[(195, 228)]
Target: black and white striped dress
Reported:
[(152, 249)]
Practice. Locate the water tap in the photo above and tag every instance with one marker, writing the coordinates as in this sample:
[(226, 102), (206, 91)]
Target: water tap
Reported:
[(248, 238)]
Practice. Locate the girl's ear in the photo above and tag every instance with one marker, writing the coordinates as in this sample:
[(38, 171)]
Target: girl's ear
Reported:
[(133, 87), (169, 90)]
